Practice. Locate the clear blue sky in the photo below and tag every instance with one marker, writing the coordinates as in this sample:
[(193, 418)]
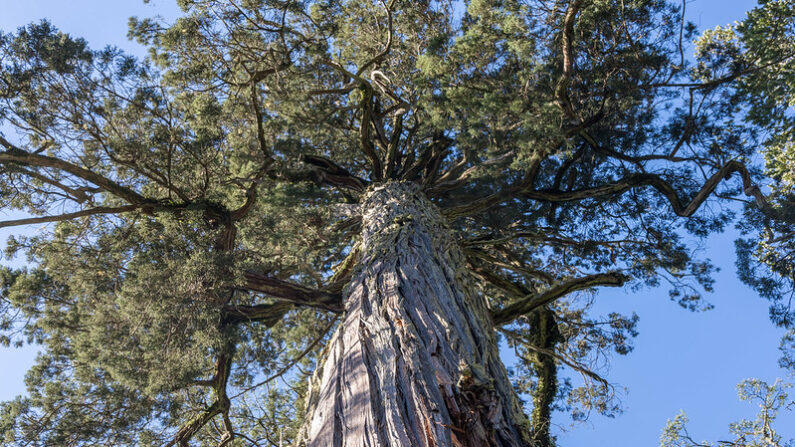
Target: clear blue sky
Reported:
[(681, 361)]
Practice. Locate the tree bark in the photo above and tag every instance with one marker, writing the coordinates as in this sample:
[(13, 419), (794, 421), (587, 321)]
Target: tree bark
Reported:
[(414, 361)]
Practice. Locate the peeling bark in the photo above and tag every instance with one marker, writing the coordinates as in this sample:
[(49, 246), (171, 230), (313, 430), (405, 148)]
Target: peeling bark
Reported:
[(414, 361)]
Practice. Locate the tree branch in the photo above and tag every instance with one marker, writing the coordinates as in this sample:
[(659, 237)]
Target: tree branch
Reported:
[(531, 302), (292, 362), (561, 89), (221, 404), (268, 314), (67, 216), (383, 53), (364, 133), (333, 174), (663, 187), (571, 363), (293, 293), (13, 154), (546, 277), (78, 195), (262, 74), (214, 212), (510, 288)]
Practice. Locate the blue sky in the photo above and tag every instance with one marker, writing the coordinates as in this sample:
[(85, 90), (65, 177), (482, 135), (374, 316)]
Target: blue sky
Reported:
[(681, 361)]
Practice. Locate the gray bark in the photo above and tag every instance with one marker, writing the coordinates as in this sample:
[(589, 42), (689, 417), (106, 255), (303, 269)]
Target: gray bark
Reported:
[(414, 361)]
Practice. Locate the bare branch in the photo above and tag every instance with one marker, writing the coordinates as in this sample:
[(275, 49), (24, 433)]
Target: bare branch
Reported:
[(78, 195), (663, 187), (546, 277)]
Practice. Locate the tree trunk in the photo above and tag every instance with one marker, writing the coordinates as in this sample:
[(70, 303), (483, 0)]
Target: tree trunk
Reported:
[(414, 361), (545, 335)]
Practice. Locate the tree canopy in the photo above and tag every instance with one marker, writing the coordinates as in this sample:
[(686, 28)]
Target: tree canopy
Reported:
[(200, 208)]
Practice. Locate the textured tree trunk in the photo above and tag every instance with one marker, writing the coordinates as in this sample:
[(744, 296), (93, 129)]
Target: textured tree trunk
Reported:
[(414, 361)]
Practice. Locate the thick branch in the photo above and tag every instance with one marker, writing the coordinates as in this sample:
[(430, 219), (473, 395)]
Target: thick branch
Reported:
[(268, 314), (511, 288), (383, 53), (364, 133), (214, 212), (393, 152), (293, 293), (188, 430), (561, 89), (429, 159), (533, 301), (334, 174), (734, 75), (262, 74)]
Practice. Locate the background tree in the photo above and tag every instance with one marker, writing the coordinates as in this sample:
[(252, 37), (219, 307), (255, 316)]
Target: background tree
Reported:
[(771, 399), (277, 172)]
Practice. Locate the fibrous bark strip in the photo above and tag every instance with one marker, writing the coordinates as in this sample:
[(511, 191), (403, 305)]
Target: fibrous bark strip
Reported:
[(414, 361)]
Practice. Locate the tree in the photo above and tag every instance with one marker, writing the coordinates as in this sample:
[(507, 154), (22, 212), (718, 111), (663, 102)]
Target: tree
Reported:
[(759, 432), (315, 222)]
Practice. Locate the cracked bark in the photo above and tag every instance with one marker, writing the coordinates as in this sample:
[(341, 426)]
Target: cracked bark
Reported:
[(414, 361)]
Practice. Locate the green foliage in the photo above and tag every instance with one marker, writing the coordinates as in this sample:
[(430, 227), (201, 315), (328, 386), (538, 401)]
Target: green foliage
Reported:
[(563, 140), (765, 256), (759, 432)]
